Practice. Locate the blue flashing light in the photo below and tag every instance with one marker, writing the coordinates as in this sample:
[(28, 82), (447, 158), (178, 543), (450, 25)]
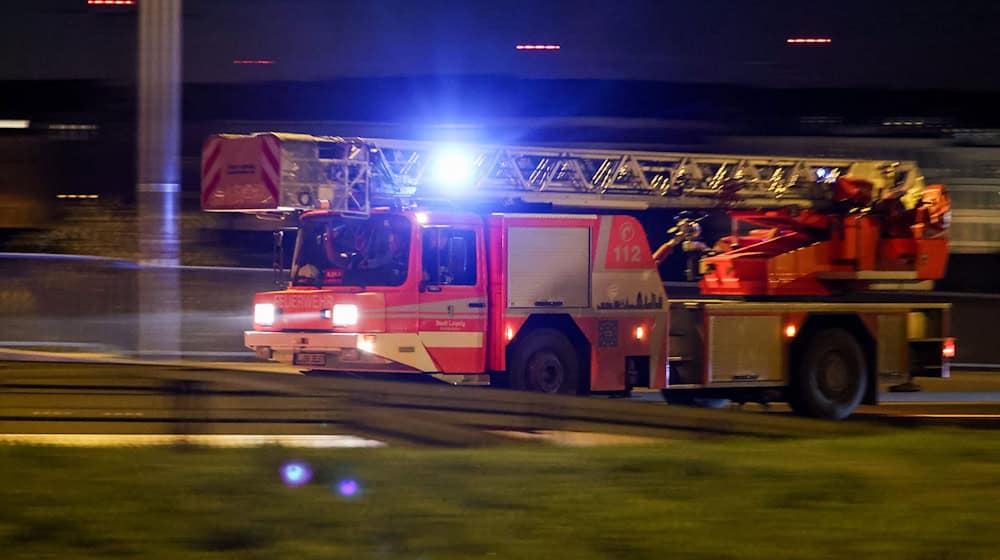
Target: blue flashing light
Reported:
[(296, 473), (453, 168)]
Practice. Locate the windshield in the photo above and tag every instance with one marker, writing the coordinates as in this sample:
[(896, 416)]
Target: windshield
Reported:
[(337, 251)]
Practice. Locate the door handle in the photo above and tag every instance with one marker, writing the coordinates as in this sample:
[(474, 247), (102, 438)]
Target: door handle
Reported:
[(477, 304)]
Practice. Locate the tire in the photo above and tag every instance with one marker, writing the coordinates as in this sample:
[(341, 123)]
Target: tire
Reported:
[(832, 376), (545, 362)]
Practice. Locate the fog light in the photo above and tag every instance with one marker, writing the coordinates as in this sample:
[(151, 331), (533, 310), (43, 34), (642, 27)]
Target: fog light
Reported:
[(366, 343)]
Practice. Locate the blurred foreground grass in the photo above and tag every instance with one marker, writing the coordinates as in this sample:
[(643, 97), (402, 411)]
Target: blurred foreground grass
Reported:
[(913, 495)]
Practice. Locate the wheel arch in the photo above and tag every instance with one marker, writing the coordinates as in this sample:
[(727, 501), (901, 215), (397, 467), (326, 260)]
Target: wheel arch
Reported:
[(565, 324)]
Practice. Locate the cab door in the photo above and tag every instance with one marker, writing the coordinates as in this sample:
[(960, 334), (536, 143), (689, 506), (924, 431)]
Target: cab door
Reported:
[(453, 297)]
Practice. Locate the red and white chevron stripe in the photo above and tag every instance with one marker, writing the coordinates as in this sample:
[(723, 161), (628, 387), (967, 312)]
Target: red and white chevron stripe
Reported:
[(225, 189), (271, 165), (211, 169)]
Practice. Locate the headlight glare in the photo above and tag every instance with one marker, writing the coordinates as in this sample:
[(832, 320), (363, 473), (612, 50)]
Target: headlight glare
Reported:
[(263, 314), (345, 314)]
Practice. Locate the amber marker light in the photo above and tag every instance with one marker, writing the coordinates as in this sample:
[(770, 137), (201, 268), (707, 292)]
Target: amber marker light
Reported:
[(640, 333), (790, 331)]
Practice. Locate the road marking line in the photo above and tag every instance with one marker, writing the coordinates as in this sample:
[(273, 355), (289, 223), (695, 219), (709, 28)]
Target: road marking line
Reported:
[(207, 440), (933, 403), (577, 439), (950, 416)]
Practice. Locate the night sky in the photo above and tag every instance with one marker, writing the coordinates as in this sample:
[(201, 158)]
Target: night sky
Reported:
[(881, 43)]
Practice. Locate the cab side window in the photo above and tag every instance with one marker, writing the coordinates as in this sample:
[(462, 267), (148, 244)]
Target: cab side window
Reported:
[(449, 257)]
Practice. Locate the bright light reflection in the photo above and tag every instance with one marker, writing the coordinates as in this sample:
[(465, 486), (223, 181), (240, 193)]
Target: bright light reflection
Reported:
[(14, 123)]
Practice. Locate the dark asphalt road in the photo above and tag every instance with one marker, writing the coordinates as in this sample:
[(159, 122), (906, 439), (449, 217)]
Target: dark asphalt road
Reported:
[(85, 398), (966, 398)]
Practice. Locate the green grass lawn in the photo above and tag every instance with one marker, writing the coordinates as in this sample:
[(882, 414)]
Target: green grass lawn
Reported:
[(920, 495)]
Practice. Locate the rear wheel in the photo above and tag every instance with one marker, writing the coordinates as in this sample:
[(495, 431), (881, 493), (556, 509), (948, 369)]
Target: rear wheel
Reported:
[(832, 376), (546, 362)]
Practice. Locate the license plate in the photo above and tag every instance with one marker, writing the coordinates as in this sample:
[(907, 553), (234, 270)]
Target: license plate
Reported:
[(309, 359), (350, 355)]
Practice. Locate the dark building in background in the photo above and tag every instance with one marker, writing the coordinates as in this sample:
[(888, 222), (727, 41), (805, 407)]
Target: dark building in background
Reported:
[(77, 149)]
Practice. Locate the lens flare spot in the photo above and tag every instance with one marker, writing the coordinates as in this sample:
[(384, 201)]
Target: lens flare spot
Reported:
[(296, 473), (348, 488)]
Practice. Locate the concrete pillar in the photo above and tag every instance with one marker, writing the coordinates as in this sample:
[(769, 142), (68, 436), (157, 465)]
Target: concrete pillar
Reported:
[(158, 187)]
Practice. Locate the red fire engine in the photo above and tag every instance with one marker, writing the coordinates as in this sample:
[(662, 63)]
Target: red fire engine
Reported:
[(526, 267)]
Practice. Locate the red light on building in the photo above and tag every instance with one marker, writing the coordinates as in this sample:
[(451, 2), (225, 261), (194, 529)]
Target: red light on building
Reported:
[(808, 40), (258, 62), (539, 47), (111, 2)]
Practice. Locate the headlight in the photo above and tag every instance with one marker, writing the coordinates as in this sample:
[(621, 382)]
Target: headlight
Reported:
[(345, 314), (263, 314)]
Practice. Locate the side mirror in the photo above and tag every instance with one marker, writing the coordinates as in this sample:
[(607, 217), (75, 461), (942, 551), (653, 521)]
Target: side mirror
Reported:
[(278, 258)]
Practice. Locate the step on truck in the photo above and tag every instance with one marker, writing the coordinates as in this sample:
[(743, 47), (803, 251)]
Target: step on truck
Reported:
[(526, 267)]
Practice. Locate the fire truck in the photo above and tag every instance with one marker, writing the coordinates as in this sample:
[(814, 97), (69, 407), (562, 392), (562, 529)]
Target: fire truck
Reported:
[(527, 267)]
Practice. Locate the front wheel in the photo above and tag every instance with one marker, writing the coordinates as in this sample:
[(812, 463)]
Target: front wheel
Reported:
[(546, 362), (832, 376)]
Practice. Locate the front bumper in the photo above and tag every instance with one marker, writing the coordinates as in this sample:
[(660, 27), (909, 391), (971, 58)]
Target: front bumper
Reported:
[(299, 341), (378, 352)]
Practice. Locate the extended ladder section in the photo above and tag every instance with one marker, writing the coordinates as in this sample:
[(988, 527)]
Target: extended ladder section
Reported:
[(276, 172), (625, 179)]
